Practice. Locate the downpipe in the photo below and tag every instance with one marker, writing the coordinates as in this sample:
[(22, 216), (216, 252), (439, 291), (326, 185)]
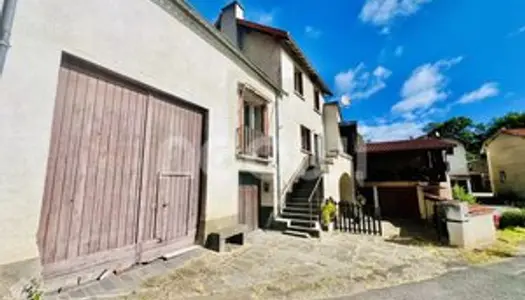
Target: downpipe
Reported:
[(6, 25), (277, 155)]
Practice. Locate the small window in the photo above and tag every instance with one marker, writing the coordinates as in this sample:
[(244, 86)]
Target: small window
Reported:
[(298, 81), (317, 100), (306, 139), (450, 151), (502, 176)]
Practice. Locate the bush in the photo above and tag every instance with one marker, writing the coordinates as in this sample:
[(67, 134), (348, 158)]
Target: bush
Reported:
[(512, 218), (460, 194), (328, 211)]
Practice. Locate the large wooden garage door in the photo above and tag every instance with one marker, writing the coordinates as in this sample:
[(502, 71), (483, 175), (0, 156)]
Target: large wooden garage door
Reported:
[(116, 175), (399, 202)]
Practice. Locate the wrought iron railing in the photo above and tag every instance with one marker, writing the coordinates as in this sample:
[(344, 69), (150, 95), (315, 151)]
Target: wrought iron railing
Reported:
[(253, 142)]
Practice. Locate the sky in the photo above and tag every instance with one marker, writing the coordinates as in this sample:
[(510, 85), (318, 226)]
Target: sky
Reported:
[(396, 65)]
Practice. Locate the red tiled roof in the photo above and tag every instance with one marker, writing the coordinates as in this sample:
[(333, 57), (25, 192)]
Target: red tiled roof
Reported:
[(292, 46), (419, 144), (516, 132)]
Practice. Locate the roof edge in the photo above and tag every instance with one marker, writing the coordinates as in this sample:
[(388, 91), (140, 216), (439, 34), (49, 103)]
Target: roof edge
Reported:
[(191, 12), (294, 47)]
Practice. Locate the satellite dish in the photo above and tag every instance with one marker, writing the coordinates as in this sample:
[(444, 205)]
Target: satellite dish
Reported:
[(345, 100)]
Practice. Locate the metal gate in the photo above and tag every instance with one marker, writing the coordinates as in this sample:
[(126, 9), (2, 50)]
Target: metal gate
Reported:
[(358, 219), (111, 158)]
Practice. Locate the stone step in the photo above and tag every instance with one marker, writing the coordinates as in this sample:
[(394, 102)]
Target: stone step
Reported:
[(296, 233)]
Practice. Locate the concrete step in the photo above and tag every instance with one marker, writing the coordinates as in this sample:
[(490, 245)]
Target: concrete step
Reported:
[(299, 209), (300, 216), (304, 223), (300, 204), (296, 233), (313, 232)]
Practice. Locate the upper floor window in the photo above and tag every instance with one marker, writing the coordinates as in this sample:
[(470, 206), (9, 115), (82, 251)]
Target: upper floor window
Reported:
[(298, 81), (306, 139), (317, 100)]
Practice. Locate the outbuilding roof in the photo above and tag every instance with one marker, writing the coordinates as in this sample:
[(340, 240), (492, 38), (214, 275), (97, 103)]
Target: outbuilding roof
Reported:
[(407, 145)]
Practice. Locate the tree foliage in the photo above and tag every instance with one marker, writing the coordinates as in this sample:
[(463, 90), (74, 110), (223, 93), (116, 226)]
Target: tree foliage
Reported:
[(473, 134)]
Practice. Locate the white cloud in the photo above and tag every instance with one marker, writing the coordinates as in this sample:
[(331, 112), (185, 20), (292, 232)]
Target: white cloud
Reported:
[(517, 31), (391, 132), (312, 32), (359, 83), (399, 51), (487, 90), (425, 86), (382, 12), (263, 17)]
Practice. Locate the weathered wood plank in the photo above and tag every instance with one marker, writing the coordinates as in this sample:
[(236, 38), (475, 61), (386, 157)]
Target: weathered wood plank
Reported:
[(91, 206), (75, 89), (103, 177), (47, 227), (86, 100)]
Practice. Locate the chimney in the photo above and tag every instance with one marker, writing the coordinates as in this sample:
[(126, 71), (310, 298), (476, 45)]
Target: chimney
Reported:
[(227, 22)]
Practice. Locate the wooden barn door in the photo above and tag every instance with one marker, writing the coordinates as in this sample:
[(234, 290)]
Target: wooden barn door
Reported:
[(122, 181), (89, 210), (249, 195), (169, 201)]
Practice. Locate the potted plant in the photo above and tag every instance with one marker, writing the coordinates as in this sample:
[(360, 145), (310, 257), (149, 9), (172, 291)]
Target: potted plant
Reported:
[(328, 212)]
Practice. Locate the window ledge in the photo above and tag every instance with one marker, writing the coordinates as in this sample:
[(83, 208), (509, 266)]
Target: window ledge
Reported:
[(254, 158), (306, 151), (299, 95)]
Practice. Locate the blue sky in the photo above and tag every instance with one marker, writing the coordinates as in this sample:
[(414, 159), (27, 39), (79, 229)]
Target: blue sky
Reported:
[(404, 63)]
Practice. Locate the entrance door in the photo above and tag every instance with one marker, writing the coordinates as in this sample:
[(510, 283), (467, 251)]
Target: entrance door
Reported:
[(122, 176), (249, 200)]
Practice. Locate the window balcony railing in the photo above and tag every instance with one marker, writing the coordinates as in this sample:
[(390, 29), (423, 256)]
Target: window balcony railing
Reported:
[(254, 143)]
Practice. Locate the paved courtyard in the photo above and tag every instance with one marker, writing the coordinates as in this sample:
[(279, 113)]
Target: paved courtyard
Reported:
[(275, 266)]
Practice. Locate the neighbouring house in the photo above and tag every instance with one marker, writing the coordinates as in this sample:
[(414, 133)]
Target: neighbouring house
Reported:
[(134, 131), (479, 176), (458, 165), (309, 157), (400, 174), (470, 175), (505, 153)]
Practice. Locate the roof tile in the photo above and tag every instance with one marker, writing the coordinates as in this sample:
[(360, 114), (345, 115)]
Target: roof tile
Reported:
[(406, 145)]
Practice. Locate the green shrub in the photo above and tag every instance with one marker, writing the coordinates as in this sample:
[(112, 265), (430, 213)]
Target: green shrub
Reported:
[(460, 194), (328, 211), (512, 218)]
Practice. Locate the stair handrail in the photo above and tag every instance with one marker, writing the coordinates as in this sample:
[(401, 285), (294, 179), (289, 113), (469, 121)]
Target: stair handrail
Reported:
[(314, 191), (300, 169)]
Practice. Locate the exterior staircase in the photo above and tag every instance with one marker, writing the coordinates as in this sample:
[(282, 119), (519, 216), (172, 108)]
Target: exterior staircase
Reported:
[(301, 210)]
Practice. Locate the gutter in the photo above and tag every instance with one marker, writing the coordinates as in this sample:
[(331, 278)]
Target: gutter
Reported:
[(6, 24)]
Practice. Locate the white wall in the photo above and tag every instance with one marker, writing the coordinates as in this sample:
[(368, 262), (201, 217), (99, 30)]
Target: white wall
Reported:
[(135, 38), (295, 111), (341, 164), (458, 160)]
